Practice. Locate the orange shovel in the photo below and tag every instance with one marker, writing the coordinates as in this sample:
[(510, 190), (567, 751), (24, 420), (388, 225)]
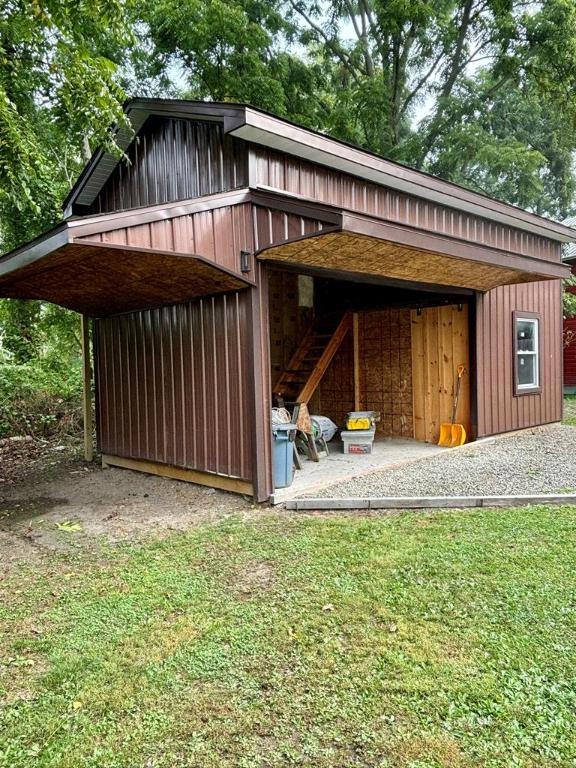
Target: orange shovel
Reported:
[(452, 434)]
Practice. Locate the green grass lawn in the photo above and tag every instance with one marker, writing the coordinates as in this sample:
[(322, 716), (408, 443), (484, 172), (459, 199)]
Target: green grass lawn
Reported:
[(414, 640)]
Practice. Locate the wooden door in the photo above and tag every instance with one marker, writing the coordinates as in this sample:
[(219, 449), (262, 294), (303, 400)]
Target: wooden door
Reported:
[(440, 343)]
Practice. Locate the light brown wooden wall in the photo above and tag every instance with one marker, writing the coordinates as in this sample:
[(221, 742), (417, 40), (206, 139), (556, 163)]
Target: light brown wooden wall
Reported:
[(288, 321), (440, 342)]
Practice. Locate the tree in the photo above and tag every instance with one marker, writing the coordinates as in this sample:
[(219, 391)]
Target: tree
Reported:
[(478, 91), (58, 94)]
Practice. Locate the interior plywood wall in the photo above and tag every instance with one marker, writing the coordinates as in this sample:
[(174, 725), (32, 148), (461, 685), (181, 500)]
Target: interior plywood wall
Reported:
[(288, 320), (386, 369), (384, 373), (440, 343), (335, 394)]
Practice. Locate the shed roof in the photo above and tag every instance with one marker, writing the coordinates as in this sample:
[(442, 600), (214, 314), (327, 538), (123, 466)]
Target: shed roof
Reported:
[(261, 128), (100, 279)]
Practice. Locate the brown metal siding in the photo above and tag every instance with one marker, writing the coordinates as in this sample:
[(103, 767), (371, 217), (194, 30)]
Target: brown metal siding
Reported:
[(174, 160), (273, 226), (173, 385), (261, 390), (499, 410), (301, 177), (218, 235)]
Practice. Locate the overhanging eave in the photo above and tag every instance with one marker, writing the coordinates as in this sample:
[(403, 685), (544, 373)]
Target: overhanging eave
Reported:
[(362, 245), (100, 279)]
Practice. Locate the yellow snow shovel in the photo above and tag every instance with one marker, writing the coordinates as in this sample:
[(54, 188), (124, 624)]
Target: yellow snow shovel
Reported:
[(452, 434)]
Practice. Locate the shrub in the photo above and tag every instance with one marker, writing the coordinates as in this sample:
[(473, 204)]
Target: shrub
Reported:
[(40, 398)]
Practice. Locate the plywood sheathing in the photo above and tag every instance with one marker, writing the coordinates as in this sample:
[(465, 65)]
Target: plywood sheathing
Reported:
[(288, 321), (335, 395), (386, 369), (384, 373), (97, 280), (346, 252), (439, 344)]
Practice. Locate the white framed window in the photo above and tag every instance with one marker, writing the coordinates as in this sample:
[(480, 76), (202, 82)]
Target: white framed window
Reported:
[(526, 352)]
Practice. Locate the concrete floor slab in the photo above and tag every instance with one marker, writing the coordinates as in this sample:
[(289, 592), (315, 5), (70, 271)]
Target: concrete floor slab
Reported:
[(386, 453)]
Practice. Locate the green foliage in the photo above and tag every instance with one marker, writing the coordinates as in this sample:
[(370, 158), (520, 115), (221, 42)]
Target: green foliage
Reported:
[(57, 89), (40, 370), (59, 94), (569, 298), (477, 92), (417, 640), (39, 398)]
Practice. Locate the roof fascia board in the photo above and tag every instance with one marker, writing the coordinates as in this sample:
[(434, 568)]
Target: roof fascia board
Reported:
[(108, 222), (429, 241), (35, 250), (272, 132), (204, 110)]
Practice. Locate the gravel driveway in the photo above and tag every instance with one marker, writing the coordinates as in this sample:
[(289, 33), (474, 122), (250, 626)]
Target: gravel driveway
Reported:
[(542, 460)]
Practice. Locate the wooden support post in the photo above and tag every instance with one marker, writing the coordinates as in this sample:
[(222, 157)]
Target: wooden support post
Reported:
[(356, 337), (86, 388)]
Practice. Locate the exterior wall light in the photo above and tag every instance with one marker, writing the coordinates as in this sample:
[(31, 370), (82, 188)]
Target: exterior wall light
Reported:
[(245, 261)]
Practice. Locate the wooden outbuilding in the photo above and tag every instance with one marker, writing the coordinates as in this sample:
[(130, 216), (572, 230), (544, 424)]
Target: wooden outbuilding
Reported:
[(235, 256)]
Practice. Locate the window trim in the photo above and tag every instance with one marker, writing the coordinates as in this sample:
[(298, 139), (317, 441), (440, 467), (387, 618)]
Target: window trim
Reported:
[(520, 390)]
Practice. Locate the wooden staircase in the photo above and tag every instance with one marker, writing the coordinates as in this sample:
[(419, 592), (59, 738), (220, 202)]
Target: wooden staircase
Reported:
[(309, 363)]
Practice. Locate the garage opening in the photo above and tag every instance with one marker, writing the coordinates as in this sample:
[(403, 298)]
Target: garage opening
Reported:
[(341, 345)]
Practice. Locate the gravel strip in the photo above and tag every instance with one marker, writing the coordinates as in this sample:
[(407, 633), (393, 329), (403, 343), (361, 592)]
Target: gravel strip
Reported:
[(542, 460)]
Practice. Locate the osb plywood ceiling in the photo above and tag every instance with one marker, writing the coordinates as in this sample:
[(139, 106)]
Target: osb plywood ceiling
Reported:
[(99, 281), (346, 252)]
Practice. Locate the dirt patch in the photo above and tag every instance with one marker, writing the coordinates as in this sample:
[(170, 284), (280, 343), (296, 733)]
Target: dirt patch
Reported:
[(253, 578), (24, 458), (75, 503)]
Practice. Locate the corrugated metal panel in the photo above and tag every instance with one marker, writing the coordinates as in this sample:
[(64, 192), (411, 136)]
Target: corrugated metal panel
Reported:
[(175, 160), (218, 235), (499, 410), (273, 226), (570, 352), (174, 385), (286, 172)]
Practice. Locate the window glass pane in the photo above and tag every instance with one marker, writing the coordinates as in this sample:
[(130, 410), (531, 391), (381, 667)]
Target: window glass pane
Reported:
[(527, 370), (526, 335)]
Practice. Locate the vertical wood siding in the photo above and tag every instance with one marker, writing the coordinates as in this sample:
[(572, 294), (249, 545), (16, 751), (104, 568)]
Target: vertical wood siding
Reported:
[(173, 385), (499, 410), (175, 160), (286, 172), (440, 343)]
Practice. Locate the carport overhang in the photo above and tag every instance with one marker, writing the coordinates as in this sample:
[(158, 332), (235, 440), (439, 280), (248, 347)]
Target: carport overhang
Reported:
[(101, 279), (360, 245)]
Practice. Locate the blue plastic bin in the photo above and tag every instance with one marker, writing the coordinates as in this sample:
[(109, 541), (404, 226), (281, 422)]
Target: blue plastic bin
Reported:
[(283, 451)]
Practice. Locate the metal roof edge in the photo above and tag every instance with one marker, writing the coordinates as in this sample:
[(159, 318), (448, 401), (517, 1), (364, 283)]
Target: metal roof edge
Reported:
[(35, 249), (259, 127), (267, 130)]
